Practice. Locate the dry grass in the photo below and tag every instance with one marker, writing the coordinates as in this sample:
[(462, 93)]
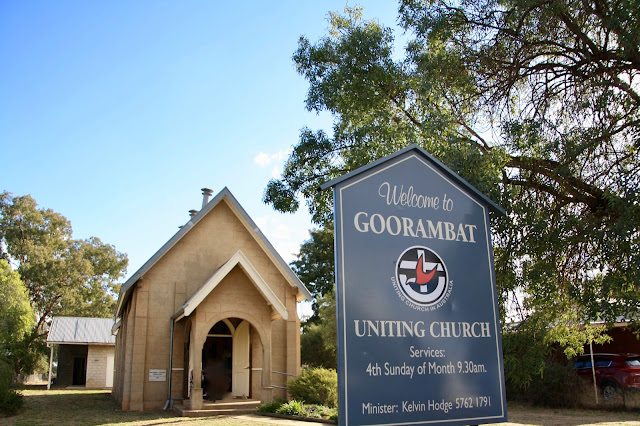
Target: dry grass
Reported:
[(523, 414), (95, 407)]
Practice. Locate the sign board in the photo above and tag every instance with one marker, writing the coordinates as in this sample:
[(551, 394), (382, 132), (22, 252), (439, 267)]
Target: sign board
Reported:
[(418, 324), (157, 375)]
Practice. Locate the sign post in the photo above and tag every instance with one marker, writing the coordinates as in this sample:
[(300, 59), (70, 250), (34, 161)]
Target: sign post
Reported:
[(418, 324)]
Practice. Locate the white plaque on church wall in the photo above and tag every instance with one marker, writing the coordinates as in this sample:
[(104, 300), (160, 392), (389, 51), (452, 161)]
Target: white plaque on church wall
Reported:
[(157, 375)]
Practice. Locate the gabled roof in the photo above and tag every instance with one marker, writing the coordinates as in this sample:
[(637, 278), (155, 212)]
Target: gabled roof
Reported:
[(75, 330), (420, 151), (238, 259), (223, 196)]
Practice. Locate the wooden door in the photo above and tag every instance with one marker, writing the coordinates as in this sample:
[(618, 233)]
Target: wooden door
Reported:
[(240, 365)]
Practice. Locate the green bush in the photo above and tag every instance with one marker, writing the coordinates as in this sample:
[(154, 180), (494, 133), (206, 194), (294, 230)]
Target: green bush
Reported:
[(537, 372), (292, 408), (559, 386), (316, 386), (318, 411), (270, 407), (10, 399)]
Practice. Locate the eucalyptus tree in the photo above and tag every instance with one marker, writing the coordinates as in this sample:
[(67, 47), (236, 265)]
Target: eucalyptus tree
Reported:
[(536, 103), (62, 275), (16, 317)]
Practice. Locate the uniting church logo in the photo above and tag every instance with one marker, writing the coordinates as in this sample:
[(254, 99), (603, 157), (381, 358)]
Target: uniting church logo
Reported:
[(421, 276)]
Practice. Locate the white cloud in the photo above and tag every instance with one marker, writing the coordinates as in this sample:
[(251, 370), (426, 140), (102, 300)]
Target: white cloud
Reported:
[(263, 159), (286, 237), (286, 233)]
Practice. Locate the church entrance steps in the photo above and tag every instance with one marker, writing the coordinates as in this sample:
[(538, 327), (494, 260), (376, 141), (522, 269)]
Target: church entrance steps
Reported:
[(220, 408)]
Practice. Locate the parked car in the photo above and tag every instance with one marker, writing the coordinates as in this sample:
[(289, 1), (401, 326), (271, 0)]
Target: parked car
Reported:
[(615, 373)]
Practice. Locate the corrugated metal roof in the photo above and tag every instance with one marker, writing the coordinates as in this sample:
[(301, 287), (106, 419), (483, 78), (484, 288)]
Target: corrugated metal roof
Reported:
[(75, 330)]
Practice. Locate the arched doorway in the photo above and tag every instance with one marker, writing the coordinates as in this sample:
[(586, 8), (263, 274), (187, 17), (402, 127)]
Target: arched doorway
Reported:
[(226, 360)]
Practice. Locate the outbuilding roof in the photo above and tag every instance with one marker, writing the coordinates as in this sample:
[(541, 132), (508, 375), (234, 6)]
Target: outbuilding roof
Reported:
[(76, 330), (223, 196)]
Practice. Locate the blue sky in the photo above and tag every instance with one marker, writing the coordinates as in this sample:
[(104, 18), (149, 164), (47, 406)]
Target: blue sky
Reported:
[(116, 113)]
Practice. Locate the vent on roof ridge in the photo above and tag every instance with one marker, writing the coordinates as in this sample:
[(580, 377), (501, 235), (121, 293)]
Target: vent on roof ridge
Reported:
[(206, 194)]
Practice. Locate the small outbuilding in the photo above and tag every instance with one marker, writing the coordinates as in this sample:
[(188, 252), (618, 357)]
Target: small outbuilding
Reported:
[(624, 339), (211, 314), (86, 351)]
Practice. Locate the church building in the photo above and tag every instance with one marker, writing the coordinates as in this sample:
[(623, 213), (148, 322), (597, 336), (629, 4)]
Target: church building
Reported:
[(211, 315)]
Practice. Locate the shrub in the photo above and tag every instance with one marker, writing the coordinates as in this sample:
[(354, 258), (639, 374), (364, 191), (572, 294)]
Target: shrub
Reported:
[(271, 407), (559, 386), (537, 372), (10, 399), (316, 386), (318, 411), (291, 408)]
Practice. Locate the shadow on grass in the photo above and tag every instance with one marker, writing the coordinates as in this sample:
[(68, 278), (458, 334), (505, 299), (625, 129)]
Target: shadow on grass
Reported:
[(60, 406)]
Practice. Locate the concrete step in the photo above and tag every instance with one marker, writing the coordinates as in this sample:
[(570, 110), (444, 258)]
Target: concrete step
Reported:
[(220, 408)]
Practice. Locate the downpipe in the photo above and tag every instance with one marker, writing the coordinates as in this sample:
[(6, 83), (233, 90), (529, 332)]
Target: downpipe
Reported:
[(169, 402)]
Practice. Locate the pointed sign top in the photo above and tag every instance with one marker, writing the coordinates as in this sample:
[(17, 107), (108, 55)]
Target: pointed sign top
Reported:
[(470, 188)]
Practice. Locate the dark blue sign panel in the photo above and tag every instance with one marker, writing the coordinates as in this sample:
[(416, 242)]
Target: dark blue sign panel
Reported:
[(418, 324)]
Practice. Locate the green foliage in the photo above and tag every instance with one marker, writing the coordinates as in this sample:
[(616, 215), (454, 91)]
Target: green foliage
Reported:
[(525, 353), (10, 399), (315, 266), (534, 103), (271, 407), (297, 408), (573, 336), (531, 347), (292, 408), (318, 340), (16, 315), (62, 276), (557, 385), (313, 351), (318, 411), (316, 386)]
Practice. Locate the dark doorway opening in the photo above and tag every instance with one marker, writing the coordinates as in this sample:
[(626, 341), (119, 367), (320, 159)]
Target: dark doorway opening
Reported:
[(79, 371), (217, 355)]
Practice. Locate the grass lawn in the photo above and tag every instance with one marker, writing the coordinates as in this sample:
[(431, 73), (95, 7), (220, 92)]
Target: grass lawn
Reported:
[(95, 407), (525, 414)]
